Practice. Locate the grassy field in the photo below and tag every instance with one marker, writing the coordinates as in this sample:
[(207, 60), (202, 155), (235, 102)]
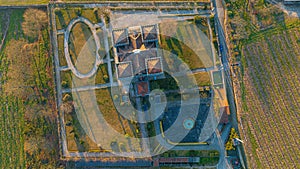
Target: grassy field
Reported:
[(194, 53), (27, 104), (23, 2), (12, 109), (64, 16), (202, 79), (111, 115), (101, 77), (12, 126)]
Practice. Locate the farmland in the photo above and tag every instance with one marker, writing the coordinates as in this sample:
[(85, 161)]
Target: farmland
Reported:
[(271, 99), (11, 124), (11, 108), (23, 2), (266, 83), (28, 128)]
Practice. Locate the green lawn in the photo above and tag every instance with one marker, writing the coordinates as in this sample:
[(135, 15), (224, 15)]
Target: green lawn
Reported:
[(64, 16), (188, 43), (111, 115), (202, 79)]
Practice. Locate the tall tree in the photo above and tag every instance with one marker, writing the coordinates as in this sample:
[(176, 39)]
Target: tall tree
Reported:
[(34, 21)]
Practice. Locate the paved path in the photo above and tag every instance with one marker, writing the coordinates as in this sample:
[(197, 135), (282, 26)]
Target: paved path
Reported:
[(6, 29), (98, 60), (62, 130), (106, 45), (141, 118)]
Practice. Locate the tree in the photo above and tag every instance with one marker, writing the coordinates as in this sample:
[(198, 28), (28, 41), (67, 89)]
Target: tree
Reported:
[(104, 12), (19, 73), (34, 21)]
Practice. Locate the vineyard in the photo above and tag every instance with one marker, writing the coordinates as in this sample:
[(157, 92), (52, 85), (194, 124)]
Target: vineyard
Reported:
[(272, 100)]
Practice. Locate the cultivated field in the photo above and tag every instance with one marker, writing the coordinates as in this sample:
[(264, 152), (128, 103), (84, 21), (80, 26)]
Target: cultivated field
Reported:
[(27, 124), (271, 100), (12, 124), (23, 2), (12, 109)]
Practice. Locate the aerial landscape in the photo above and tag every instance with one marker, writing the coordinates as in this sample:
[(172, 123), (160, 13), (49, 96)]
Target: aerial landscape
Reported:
[(150, 84)]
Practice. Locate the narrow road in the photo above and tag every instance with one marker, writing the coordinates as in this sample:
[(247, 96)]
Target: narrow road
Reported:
[(106, 45)]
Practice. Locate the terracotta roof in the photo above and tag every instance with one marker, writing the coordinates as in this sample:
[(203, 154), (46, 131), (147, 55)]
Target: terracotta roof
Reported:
[(154, 66), (143, 88), (124, 69)]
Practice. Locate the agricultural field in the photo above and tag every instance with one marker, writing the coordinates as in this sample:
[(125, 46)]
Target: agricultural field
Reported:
[(12, 109), (11, 124), (271, 99), (267, 82), (144, 0), (22, 2), (28, 122)]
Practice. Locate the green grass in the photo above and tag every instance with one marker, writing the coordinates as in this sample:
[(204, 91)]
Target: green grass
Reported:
[(15, 25), (101, 77), (12, 109), (22, 2), (12, 127), (202, 78), (189, 44), (111, 115), (64, 16)]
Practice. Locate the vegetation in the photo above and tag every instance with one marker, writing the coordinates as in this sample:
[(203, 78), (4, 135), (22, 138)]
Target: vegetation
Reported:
[(233, 134), (191, 49), (22, 2), (34, 21), (264, 39), (28, 120), (11, 125), (65, 15), (206, 157), (111, 115), (270, 75), (79, 141), (148, 0), (202, 78)]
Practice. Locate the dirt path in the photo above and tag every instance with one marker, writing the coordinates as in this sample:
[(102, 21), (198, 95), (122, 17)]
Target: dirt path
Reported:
[(6, 30)]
